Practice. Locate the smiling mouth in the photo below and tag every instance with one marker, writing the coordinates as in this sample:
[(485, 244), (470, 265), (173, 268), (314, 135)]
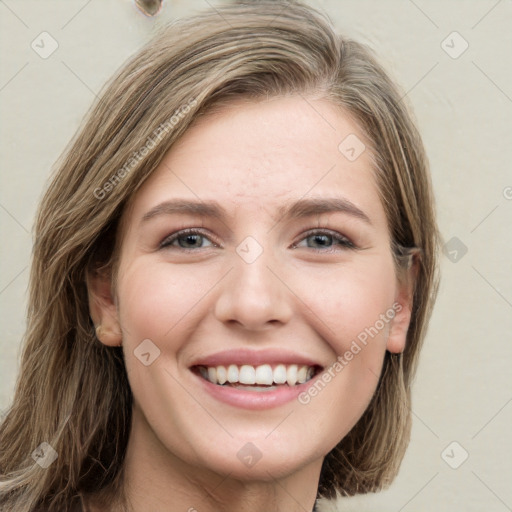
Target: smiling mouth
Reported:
[(261, 377)]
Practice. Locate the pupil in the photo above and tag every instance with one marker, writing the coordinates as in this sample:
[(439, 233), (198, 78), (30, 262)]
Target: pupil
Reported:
[(191, 240), (322, 239)]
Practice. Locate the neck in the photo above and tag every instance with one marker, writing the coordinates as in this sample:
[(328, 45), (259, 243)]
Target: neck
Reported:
[(155, 479)]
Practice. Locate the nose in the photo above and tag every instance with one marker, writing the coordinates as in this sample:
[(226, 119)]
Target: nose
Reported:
[(253, 296)]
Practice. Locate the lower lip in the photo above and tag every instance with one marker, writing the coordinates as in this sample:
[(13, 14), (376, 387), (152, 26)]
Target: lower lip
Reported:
[(256, 400)]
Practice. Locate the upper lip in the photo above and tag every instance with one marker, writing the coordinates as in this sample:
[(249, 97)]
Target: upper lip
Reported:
[(254, 357)]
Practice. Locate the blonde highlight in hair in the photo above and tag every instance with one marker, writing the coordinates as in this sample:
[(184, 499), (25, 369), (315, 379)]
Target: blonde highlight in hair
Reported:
[(73, 391)]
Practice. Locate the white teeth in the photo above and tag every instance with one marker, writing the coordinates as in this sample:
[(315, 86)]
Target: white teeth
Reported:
[(301, 374), (222, 375), (291, 375), (212, 374), (280, 374), (233, 373), (264, 375), (247, 375)]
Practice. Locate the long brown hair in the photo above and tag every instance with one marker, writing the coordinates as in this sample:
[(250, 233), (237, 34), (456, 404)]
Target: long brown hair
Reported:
[(72, 391)]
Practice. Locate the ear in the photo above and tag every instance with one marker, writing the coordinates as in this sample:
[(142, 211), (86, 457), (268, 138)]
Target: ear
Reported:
[(103, 309), (403, 307)]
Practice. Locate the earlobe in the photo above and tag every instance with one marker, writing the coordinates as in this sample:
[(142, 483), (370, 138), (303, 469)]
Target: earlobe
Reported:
[(399, 327), (103, 309), (403, 307), (109, 336)]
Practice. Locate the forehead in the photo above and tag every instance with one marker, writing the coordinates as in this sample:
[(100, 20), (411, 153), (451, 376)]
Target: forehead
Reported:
[(259, 154)]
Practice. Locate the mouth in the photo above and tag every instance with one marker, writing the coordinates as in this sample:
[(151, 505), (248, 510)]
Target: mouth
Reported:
[(255, 379), (264, 377)]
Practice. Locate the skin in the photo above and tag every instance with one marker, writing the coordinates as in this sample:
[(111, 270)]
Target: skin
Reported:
[(309, 295)]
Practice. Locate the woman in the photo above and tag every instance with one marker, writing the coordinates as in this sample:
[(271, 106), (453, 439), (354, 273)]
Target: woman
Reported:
[(233, 271)]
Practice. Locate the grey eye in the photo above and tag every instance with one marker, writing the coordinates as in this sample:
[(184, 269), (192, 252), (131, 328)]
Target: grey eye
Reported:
[(188, 239), (324, 240), (320, 240)]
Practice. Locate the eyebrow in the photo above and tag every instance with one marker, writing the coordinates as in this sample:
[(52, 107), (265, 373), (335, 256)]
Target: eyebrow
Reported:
[(181, 206), (315, 206), (297, 209)]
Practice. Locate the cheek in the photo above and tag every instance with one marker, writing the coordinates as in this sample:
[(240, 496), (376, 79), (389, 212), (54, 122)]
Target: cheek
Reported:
[(352, 297), (162, 303), (350, 303), (347, 304), (159, 299)]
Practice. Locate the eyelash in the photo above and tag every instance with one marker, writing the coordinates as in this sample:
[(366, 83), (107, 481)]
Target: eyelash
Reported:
[(343, 241), (336, 237), (166, 243)]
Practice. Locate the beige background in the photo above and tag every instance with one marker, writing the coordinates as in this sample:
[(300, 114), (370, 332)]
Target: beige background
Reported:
[(464, 109)]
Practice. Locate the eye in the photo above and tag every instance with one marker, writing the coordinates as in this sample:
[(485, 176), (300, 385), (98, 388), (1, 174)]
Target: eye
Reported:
[(186, 239), (325, 239)]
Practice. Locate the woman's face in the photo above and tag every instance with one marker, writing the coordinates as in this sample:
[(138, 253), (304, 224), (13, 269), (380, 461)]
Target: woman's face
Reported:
[(257, 251)]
